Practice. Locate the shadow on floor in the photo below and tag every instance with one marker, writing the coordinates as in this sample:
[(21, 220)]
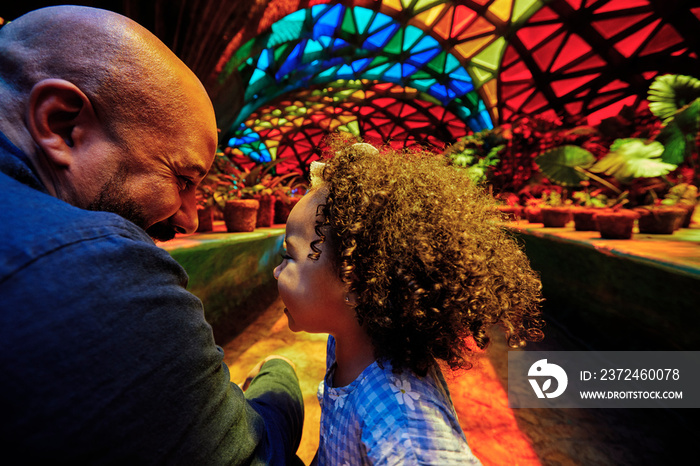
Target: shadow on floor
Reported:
[(497, 434)]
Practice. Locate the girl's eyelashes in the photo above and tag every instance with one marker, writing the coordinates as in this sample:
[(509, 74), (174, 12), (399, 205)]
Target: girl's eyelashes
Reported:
[(285, 256)]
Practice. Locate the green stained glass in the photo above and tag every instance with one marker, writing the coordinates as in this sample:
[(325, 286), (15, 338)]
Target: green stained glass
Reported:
[(437, 64), (490, 57), (348, 25)]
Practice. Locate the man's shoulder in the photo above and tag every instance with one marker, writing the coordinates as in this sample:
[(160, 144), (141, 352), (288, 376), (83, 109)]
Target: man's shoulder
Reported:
[(36, 224)]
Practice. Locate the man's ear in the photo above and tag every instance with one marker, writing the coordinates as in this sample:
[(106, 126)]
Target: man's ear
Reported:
[(58, 115)]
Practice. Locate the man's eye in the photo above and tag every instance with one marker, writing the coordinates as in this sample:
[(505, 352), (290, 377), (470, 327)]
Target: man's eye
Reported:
[(185, 183)]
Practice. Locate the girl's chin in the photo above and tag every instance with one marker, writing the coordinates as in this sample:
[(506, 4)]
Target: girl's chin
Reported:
[(290, 321)]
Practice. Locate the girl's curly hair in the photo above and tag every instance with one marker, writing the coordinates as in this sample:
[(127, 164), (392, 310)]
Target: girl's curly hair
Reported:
[(422, 248)]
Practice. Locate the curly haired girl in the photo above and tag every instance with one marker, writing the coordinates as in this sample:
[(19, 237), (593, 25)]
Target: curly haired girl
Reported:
[(400, 258)]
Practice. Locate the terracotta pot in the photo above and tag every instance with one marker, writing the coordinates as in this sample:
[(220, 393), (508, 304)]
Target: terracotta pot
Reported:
[(584, 219), (266, 211), (689, 208), (206, 219), (282, 209), (556, 217), (533, 214), (241, 214), (660, 220), (512, 212), (616, 224)]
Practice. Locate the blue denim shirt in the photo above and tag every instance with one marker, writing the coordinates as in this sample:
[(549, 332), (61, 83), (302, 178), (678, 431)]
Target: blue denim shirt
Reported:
[(106, 358)]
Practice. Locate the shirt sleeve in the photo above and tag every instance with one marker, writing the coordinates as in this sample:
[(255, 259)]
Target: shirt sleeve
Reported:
[(113, 362), (408, 423)]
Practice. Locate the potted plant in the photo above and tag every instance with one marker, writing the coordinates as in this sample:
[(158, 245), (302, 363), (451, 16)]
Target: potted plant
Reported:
[(205, 207), (616, 223), (287, 196), (589, 205), (659, 219), (556, 213), (684, 196), (264, 185), (239, 214)]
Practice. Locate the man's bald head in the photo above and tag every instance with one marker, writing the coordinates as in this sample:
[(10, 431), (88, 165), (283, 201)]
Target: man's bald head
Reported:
[(128, 74), (108, 116)]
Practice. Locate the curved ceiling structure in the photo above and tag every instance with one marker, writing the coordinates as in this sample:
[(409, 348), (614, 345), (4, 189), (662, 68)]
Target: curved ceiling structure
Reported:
[(283, 73), (430, 71)]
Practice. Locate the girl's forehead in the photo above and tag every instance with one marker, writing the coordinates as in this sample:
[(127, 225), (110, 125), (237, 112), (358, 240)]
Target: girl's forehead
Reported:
[(302, 219)]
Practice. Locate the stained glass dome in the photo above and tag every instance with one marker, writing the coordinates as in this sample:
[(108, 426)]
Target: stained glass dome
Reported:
[(428, 71)]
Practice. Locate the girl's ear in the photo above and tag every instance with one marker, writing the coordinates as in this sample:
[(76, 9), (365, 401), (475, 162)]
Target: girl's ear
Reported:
[(351, 299)]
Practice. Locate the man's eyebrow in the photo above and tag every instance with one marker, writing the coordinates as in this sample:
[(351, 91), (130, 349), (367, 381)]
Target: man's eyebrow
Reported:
[(198, 169)]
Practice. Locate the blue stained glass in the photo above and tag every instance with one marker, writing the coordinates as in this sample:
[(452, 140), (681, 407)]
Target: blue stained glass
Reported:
[(379, 22), (424, 57), (288, 28), (411, 36), (363, 16), (328, 73), (408, 69), (345, 71), (291, 63), (359, 65), (378, 72), (439, 91), (379, 40), (312, 46), (394, 72), (257, 75), (461, 87), (264, 60), (425, 43), (461, 74), (339, 44), (326, 41), (451, 64), (329, 20), (423, 84)]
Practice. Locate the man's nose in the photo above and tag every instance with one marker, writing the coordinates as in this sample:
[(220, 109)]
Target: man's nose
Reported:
[(185, 219)]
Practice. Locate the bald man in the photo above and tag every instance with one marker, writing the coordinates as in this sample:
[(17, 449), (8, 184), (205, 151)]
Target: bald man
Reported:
[(105, 358)]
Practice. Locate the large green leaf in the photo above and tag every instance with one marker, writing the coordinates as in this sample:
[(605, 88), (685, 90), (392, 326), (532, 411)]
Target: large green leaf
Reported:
[(560, 164), (678, 136), (670, 93), (633, 158)]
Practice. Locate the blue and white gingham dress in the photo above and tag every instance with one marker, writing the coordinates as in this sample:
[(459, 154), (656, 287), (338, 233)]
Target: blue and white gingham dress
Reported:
[(384, 418)]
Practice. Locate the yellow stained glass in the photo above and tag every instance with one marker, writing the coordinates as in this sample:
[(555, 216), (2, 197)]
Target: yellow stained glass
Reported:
[(524, 8), (393, 4), (489, 91), (428, 17), (468, 49), (480, 75), (502, 9), (490, 57)]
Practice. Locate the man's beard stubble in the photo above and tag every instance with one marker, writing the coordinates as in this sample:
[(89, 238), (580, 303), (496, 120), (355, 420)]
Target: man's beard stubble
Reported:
[(114, 198)]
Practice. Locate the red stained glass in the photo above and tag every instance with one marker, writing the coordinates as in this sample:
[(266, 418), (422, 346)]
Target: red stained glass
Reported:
[(631, 44), (574, 48)]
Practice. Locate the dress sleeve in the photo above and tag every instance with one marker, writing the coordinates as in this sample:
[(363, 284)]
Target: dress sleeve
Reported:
[(116, 363)]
